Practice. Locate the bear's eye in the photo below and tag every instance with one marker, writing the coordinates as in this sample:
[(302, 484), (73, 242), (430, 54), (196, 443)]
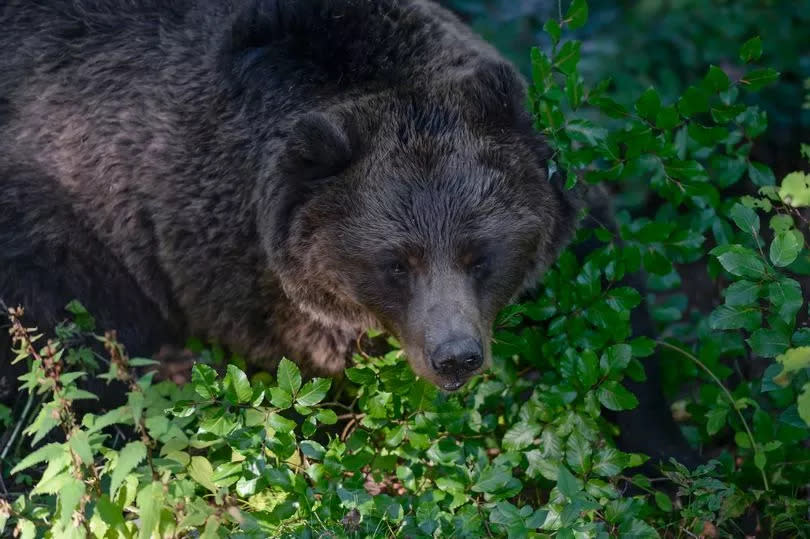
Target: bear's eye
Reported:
[(480, 267), (396, 269)]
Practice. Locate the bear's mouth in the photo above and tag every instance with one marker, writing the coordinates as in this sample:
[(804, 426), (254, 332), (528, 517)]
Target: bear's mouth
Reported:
[(453, 384)]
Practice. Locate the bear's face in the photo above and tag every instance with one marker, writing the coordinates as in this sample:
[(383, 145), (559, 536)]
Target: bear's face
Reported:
[(428, 225)]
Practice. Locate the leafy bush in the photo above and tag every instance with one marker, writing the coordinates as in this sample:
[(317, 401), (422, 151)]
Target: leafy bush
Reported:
[(525, 449)]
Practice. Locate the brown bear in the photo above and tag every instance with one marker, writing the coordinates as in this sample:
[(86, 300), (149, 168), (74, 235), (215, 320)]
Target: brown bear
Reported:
[(277, 176)]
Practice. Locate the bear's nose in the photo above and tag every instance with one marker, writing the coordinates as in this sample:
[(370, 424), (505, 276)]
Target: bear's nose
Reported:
[(457, 356)]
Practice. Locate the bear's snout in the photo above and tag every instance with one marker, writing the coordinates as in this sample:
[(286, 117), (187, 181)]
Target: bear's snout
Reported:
[(456, 360)]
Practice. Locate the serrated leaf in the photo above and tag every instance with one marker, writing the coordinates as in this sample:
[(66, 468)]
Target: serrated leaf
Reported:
[(786, 297), (785, 247), (684, 170), (568, 485), (313, 392), (745, 218), (729, 317), (615, 396), (80, 444), (768, 342), (44, 453), (520, 436), (128, 459), (202, 472), (150, 501), (742, 262), (289, 377), (69, 497), (742, 293)]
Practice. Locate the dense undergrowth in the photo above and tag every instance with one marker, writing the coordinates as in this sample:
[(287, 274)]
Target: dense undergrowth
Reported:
[(524, 450)]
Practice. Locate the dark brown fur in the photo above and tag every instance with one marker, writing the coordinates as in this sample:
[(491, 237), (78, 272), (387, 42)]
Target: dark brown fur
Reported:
[(241, 170)]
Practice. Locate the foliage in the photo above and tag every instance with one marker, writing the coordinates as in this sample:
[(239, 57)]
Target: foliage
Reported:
[(527, 449)]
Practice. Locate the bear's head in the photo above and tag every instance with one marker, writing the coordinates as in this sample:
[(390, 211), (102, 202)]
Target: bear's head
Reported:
[(424, 213), (413, 194)]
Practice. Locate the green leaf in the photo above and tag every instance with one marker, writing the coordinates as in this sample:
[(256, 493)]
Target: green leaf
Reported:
[(46, 452), (568, 485), (761, 174), (313, 392), (202, 472), (577, 14), (716, 79), (740, 261), (280, 398), (80, 444), (567, 58), (795, 359), (742, 293), (150, 501), (492, 479), (204, 381), (615, 396), (128, 458), (520, 436), (326, 416), (69, 497), (694, 101), (684, 170), (745, 218), (786, 296), (615, 359), (649, 104), (768, 342), (716, 420), (732, 317), (759, 78), (751, 50), (110, 514), (795, 190), (552, 28), (803, 403), (667, 118), (237, 386), (281, 424), (663, 502), (289, 377), (785, 247)]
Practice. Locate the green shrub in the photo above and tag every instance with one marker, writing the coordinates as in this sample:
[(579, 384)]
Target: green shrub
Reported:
[(524, 450)]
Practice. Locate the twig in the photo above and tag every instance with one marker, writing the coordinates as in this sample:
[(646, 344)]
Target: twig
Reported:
[(729, 396)]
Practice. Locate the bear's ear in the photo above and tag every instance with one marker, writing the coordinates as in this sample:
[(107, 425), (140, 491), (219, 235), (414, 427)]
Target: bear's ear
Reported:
[(317, 147), (493, 91)]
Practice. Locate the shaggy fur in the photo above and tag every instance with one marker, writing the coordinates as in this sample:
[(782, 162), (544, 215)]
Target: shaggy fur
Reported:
[(276, 176)]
